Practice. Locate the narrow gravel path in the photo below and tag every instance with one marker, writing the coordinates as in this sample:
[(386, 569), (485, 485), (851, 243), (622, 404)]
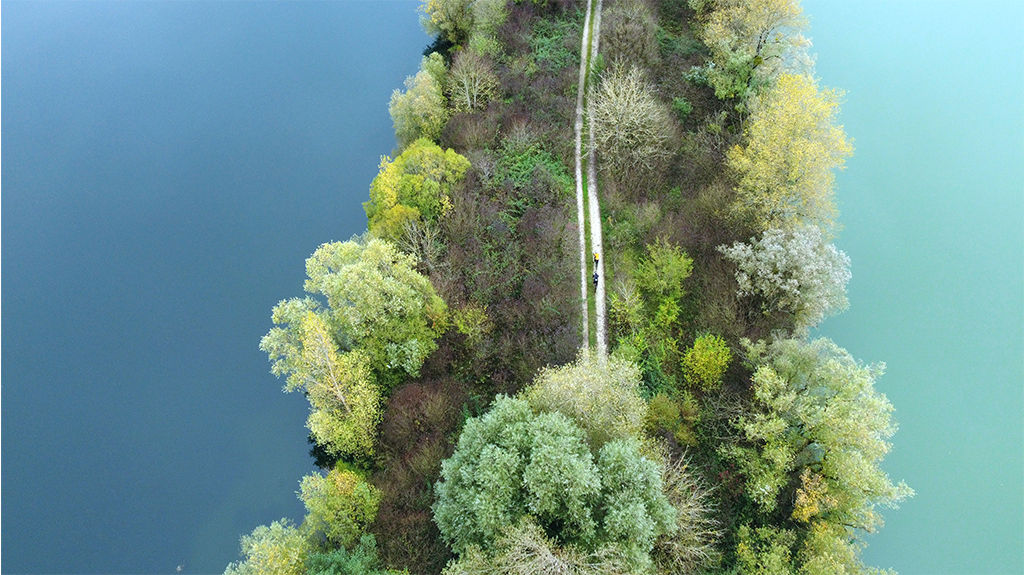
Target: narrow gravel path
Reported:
[(594, 217), (580, 203)]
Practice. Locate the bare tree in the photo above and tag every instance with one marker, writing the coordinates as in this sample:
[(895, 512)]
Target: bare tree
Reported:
[(471, 81), (633, 131)]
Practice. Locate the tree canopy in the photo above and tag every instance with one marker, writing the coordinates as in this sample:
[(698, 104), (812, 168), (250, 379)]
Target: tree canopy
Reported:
[(380, 323), (785, 170), (416, 187), (511, 463), (812, 446)]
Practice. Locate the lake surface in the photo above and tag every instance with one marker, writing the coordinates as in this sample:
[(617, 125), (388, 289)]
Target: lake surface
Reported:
[(933, 204), (167, 168)]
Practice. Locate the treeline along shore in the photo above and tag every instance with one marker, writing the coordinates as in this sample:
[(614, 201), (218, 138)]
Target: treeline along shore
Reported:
[(476, 408)]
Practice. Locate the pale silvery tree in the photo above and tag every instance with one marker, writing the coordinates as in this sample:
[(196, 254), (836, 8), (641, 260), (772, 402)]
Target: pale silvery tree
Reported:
[(795, 271)]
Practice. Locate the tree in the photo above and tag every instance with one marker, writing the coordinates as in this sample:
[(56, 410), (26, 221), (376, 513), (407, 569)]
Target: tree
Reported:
[(524, 549), (344, 399), (785, 171), (511, 463), (380, 323), (628, 34), (361, 560), (751, 42), (818, 423), (378, 303), (415, 187), (633, 130), (796, 272), (691, 547), (705, 363), (488, 15), (765, 551), (276, 550), (420, 111), (661, 273), (450, 19), (339, 507), (473, 83), (602, 397), (660, 276)]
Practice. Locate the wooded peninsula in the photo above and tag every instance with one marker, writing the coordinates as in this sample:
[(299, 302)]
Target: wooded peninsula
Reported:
[(575, 337)]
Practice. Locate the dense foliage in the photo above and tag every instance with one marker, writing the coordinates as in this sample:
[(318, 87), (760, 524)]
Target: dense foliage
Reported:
[(462, 422), (512, 463)]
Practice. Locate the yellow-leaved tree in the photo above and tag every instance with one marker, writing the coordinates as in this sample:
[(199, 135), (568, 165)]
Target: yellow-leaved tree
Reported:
[(415, 187), (785, 172)]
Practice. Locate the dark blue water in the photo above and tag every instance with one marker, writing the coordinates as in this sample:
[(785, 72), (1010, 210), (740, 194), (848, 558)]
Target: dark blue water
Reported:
[(166, 169)]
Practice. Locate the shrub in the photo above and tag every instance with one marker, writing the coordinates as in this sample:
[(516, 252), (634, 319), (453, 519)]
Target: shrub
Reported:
[(600, 396), (705, 363), (339, 507), (682, 108)]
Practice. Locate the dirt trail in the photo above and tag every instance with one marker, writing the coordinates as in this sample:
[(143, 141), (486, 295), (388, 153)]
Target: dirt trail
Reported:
[(580, 203), (588, 50), (594, 216)]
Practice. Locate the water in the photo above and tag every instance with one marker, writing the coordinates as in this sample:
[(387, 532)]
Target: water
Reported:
[(167, 168), (933, 204)]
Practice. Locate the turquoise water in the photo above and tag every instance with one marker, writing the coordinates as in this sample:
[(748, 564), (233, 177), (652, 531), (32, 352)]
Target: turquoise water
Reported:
[(933, 208)]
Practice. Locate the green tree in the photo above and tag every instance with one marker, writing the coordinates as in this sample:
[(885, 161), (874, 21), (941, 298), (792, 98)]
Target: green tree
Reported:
[(511, 463), (660, 275), (360, 560), (276, 550), (765, 551), (344, 399), (785, 170), (415, 187), (600, 396), (817, 423), (449, 19), (420, 111), (705, 363), (751, 42), (378, 303), (379, 325), (636, 511), (339, 507)]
